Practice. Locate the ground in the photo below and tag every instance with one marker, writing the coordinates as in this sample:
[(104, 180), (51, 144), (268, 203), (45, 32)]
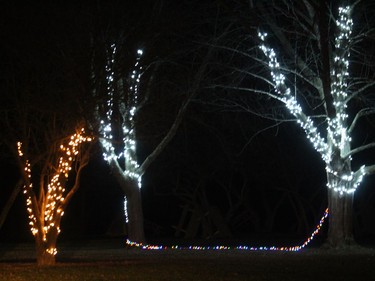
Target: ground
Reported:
[(111, 260)]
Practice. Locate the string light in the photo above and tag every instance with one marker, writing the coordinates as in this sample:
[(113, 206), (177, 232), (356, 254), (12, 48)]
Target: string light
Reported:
[(52, 251), (337, 128), (292, 104), (338, 139), (126, 209), (128, 111), (247, 248), (51, 207)]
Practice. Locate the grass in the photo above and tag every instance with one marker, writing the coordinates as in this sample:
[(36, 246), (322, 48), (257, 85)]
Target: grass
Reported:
[(132, 264)]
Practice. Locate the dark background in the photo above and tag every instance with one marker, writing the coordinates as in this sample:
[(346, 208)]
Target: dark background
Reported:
[(223, 156)]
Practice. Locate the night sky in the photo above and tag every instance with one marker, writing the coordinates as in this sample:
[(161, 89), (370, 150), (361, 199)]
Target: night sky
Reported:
[(258, 179)]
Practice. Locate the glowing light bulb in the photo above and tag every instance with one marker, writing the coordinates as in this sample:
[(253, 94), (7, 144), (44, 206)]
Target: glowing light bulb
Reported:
[(240, 247), (338, 138), (128, 110), (54, 196)]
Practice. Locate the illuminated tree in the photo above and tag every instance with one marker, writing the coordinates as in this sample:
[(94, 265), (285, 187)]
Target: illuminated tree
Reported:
[(121, 107), (311, 75), (118, 118), (48, 158), (48, 195), (41, 106), (120, 110)]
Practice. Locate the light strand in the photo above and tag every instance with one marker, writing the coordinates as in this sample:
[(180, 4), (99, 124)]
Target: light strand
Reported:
[(54, 196), (340, 178), (128, 110), (246, 248), (337, 127), (292, 104)]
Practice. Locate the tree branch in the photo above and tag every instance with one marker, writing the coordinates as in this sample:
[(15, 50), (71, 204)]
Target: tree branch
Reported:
[(149, 84), (287, 46), (359, 149), (356, 93), (369, 170), (247, 89), (168, 137), (10, 201), (179, 117), (83, 163), (361, 113)]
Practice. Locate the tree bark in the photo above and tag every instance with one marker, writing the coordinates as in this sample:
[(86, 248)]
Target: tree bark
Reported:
[(135, 213), (44, 250), (43, 257), (340, 232), (132, 192)]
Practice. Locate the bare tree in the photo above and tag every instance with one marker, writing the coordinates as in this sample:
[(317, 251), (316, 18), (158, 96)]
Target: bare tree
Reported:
[(41, 107), (49, 159), (320, 71), (48, 196), (117, 118)]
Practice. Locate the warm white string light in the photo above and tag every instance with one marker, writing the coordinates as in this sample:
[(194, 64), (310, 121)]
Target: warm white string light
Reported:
[(54, 196)]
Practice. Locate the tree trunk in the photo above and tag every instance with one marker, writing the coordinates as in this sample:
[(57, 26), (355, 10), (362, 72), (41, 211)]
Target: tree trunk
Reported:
[(45, 250), (132, 192), (135, 212), (340, 232), (44, 258)]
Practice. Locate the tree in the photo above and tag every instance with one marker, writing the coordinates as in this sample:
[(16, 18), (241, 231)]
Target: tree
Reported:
[(314, 58), (42, 104), (36, 127), (45, 155), (118, 131), (120, 109), (48, 197)]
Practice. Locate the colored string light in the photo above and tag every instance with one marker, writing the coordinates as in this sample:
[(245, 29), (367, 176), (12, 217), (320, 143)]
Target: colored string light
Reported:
[(246, 248)]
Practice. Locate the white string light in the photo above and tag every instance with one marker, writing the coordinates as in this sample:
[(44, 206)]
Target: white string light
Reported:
[(128, 111), (126, 209), (292, 104), (338, 138)]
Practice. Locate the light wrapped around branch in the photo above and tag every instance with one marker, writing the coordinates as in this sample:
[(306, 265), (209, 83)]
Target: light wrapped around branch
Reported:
[(54, 196), (338, 137), (292, 104), (337, 127), (128, 110)]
